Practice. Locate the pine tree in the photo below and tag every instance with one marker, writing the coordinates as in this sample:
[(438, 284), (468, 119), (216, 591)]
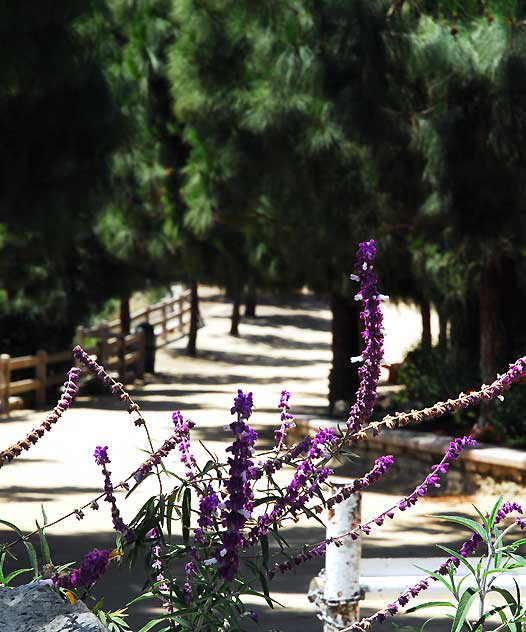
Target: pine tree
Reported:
[(59, 126)]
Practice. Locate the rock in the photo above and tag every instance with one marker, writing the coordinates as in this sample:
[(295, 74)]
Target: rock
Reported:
[(38, 608)]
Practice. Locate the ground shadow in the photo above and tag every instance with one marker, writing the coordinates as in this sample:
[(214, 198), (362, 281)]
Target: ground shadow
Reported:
[(284, 342), (243, 359)]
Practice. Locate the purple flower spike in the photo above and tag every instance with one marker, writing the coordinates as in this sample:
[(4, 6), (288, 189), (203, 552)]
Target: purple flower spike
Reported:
[(70, 390), (239, 501), (243, 405), (179, 438), (101, 458), (286, 420), (101, 455), (373, 335), (93, 566), (182, 437)]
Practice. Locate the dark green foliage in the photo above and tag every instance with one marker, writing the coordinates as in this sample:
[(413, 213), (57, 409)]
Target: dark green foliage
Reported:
[(431, 376), (59, 126), (506, 421)]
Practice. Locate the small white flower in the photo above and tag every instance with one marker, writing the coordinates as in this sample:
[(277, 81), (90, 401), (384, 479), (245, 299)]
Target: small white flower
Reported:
[(364, 266), (244, 513), (223, 552), (210, 562), (354, 277), (358, 297), (357, 359), (500, 398)]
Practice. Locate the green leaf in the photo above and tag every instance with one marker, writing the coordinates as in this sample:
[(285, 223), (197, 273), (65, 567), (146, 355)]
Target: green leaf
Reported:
[(463, 607), (517, 592), (458, 557), (496, 610), (14, 574), (151, 624), (44, 515), (265, 550), (264, 587), (169, 512), (466, 522), (483, 518), (32, 554), (209, 465), (430, 604), (186, 512), (2, 562), (311, 514), (494, 511), (508, 625), (509, 598), (441, 579), (148, 595), (44, 546)]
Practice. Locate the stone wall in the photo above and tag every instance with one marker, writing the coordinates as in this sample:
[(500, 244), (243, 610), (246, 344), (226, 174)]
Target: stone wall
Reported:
[(486, 468)]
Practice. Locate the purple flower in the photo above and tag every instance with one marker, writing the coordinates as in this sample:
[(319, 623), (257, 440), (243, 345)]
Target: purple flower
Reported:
[(286, 420), (101, 455), (372, 355), (91, 570), (239, 499), (70, 390), (207, 508), (180, 438), (243, 405), (101, 458)]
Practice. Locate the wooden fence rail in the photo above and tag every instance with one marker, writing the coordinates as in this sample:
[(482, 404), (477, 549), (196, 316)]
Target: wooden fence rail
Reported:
[(119, 354), (166, 316)]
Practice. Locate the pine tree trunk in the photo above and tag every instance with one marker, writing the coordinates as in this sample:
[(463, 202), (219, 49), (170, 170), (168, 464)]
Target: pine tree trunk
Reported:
[(425, 312), (124, 312), (234, 321), (191, 347), (464, 333), (250, 304), (442, 326), (493, 340), (343, 377)]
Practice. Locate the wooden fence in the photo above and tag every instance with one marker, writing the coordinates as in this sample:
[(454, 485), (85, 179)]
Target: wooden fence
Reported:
[(166, 316), (119, 354)]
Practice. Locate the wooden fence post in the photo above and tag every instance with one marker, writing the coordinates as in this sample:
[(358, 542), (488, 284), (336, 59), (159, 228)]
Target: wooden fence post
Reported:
[(41, 374), (121, 354), (163, 322), (5, 379), (181, 309), (140, 360)]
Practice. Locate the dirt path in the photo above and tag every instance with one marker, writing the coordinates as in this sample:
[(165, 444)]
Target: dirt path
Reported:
[(287, 346)]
